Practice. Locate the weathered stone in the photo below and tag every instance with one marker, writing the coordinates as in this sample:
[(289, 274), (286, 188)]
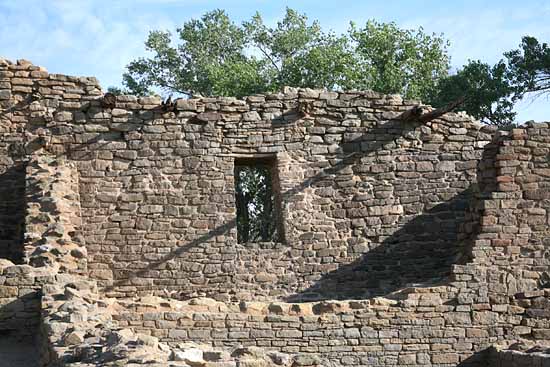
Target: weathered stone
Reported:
[(191, 356), (371, 210), (74, 338), (5, 94)]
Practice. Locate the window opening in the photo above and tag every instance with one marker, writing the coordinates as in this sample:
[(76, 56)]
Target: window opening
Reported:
[(256, 200)]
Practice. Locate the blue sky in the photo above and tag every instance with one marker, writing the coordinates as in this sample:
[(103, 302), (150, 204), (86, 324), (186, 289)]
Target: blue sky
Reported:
[(98, 38)]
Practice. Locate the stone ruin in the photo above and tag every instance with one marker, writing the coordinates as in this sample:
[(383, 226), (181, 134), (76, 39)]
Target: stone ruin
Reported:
[(403, 240)]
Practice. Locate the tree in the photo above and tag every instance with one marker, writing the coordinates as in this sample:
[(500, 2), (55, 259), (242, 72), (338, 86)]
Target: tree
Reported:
[(254, 199), (403, 61), (487, 91), (210, 60), (491, 91), (529, 67), (215, 56), (300, 54)]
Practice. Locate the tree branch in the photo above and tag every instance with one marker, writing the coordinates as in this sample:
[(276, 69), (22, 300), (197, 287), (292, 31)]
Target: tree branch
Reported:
[(175, 89), (269, 58), (417, 112)]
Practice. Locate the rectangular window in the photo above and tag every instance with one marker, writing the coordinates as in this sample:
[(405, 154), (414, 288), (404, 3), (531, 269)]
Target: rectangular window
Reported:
[(256, 198)]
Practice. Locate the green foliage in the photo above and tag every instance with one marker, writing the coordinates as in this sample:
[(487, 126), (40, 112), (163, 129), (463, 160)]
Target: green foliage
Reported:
[(254, 198), (210, 59), (491, 91), (529, 67), (300, 54), (486, 89), (395, 60), (215, 56)]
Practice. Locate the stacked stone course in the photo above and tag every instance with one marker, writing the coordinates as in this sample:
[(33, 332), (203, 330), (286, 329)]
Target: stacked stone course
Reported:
[(360, 189), (421, 244)]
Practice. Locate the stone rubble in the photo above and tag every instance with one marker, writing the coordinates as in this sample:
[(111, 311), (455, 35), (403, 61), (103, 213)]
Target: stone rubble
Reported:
[(410, 244), (79, 329)]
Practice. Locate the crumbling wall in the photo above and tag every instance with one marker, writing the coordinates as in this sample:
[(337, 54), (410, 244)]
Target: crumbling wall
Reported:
[(51, 214), (370, 202), (417, 329), (510, 250), (23, 128)]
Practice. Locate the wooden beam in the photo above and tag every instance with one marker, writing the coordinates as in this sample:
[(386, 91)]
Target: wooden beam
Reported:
[(417, 112)]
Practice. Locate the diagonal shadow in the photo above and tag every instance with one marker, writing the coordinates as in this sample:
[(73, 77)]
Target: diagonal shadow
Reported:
[(352, 151), (84, 150), (421, 252), (218, 231)]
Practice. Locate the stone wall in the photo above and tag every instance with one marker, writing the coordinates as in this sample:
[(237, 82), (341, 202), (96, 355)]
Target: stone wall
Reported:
[(53, 215), (419, 329), (370, 202), (433, 235), (516, 358), (498, 297), (19, 299)]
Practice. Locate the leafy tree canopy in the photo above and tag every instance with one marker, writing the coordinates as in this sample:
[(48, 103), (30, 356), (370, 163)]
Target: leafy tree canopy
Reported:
[(215, 56), (487, 92), (492, 91), (395, 60), (529, 67)]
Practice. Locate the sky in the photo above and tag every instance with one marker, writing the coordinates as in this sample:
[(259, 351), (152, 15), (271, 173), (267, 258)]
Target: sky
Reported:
[(99, 37)]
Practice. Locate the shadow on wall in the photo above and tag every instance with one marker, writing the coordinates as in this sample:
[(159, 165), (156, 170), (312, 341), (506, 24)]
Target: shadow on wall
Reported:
[(421, 252), (178, 252), (20, 331), (12, 212), (353, 150), (481, 358)]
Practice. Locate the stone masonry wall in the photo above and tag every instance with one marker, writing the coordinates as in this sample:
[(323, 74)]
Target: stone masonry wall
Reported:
[(49, 221), (510, 253), (419, 330), (53, 215), (447, 220), (164, 196), (370, 203), (497, 298)]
